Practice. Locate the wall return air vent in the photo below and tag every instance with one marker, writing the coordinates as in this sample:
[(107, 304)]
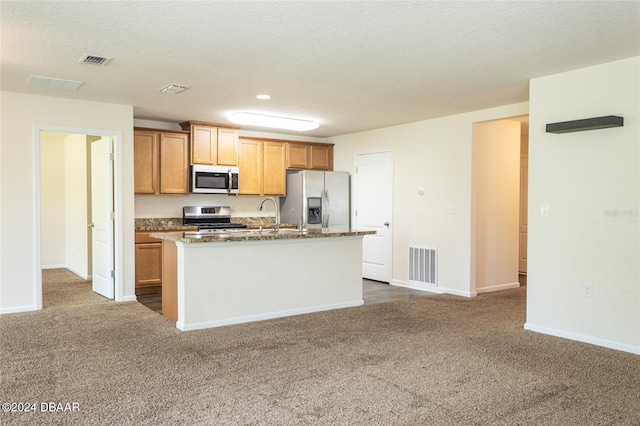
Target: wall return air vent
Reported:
[(423, 265), (586, 124)]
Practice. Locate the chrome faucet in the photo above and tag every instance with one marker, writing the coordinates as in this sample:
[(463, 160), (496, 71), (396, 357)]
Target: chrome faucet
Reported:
[(276, 226)]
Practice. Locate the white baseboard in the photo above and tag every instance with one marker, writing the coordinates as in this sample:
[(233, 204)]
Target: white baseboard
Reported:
[(61, 266), (271, 315), (83, 275), (498, 287), (16, 309), (583, 338), (433, 289), (128, 299)]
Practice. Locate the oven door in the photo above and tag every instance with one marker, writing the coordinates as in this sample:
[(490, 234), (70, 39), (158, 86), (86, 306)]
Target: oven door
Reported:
[(214, 180)]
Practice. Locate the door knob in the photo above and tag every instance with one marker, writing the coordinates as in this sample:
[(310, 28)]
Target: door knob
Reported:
[(386, 224), (90, 225)]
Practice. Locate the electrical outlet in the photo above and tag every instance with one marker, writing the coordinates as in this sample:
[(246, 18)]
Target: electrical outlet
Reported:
[(152, 207), (587, 290)]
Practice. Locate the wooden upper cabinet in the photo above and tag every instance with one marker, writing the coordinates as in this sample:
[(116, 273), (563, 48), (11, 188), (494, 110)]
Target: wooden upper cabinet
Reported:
[(321, 157), (309, 156), (262, 167), (174, 163), (161, 162), (250, 163), (212, 144), (227, 147), (204, 145), (297, 155), (274, 168), (145, 157)]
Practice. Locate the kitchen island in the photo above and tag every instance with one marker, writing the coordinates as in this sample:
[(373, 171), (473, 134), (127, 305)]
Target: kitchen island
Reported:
[(222, 278)]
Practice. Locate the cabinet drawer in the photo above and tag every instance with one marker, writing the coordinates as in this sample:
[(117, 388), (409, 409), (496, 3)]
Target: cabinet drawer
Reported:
[(143, 238)]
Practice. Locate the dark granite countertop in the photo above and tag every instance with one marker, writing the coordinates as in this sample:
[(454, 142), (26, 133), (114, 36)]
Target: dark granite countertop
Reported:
[(255, 235), (175, 223)]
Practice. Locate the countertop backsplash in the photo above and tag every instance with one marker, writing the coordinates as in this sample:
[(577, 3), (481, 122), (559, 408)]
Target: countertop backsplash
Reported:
[(170, 206)]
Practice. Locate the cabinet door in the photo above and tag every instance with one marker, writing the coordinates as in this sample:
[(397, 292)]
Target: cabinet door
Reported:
[(204, 145), (145, 161), (321, 157), (250, 162), (297, 156), (275, 168), (148, 268), (174, 163), (227, 147)]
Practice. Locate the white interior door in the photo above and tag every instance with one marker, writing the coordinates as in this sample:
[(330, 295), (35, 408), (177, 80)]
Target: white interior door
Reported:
[(101, 217), (374, 211)]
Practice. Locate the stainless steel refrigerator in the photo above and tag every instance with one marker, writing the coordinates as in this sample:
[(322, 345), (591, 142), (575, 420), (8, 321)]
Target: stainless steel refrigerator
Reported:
[(321, 200)]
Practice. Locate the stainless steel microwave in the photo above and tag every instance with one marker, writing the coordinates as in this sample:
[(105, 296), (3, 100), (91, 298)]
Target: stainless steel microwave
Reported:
[(214, 179)]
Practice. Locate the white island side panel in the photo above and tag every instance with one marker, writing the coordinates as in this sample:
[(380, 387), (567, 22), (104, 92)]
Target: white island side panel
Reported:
[(238, 281)]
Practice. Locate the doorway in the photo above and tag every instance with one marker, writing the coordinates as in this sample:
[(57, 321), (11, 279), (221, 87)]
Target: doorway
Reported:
[(64, 208), (499, 204)]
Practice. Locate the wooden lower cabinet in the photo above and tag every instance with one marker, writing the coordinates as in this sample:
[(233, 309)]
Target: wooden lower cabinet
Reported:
[(150, 254), (170, 281), (148, 264)]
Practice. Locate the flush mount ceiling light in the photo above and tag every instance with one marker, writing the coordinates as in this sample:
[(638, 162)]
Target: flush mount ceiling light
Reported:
[(261, 120), (263, 97), (172, 89), (54, 83)]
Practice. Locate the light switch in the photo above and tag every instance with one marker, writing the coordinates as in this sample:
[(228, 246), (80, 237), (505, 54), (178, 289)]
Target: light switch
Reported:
[(544, 210), (449, 208)]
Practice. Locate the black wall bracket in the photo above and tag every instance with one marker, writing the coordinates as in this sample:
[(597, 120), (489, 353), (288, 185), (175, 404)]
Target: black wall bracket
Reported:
[(586, 124)]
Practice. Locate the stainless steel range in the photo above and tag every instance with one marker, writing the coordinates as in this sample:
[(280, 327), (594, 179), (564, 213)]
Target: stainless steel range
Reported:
[(209, 217)]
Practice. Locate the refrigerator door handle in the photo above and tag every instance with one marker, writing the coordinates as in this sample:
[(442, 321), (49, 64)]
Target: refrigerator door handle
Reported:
[(326, 208)]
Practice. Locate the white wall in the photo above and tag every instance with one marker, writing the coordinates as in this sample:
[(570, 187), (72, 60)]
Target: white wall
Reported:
[(20, 115), (496, 204), (76, 214), (591, 182), (437, 155), (52, 180)]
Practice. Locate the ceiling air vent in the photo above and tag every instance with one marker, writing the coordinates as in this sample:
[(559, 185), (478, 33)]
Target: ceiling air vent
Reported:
[(94, 60), (173, 88)]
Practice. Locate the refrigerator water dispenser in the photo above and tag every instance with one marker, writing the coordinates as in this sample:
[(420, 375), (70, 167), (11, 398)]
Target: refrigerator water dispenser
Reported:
[(315, 210)]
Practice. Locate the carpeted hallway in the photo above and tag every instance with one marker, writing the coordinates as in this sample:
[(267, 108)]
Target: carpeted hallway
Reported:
[(437, 360)]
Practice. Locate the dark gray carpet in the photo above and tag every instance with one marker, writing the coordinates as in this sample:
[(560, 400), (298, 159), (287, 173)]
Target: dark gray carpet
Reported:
[(440, 360)]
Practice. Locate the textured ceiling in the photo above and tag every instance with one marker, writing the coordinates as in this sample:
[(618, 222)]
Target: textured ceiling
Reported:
[(351, 66)]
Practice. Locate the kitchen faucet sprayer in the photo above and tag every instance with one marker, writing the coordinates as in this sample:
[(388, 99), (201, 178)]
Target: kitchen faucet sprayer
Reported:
[(276, 225)]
